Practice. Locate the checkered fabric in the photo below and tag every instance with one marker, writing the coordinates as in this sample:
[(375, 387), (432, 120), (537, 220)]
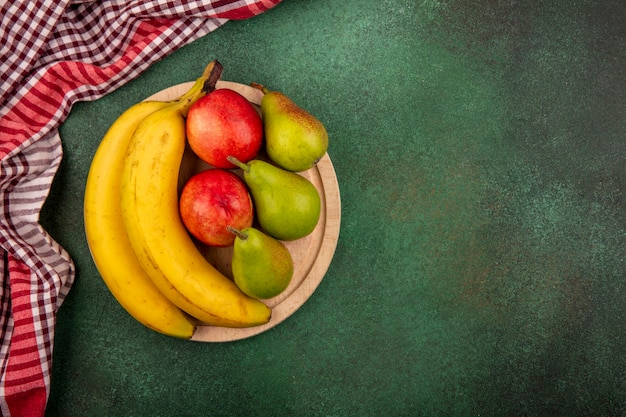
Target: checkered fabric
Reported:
[(52, 54)]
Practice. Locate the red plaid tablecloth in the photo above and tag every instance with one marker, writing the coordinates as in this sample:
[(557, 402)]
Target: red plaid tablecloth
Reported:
[(52, 54)]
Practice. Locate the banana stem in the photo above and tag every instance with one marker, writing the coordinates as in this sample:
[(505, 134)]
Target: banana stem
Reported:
[(213, 72), (241, 235)]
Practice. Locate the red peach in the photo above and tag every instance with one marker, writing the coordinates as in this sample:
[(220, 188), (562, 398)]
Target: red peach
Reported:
[(224, 123), (212, 200)]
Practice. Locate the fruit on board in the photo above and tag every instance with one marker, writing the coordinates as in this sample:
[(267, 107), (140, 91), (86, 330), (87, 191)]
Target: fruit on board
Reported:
[(136, 233), (210, 201), (164, 248), (262, 266), (224, 123), (295, 140), (287, 205)]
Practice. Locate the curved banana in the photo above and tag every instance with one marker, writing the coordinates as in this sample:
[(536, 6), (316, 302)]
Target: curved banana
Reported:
[(158, 236), (107, 238)]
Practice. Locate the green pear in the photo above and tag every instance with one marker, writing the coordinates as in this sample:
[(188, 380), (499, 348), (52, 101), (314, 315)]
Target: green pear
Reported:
[(262, 266), (295, 140), (287, 205)]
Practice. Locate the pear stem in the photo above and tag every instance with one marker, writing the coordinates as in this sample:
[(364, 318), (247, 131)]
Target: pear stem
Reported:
[(213, 72), (260, 87), (241, 235), (245, 167)]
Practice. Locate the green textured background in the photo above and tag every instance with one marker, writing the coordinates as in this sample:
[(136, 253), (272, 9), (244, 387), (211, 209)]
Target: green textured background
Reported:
[(480, 270)]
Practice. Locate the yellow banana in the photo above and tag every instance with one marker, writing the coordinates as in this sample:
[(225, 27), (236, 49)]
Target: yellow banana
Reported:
[(107, 238), (161, 242)]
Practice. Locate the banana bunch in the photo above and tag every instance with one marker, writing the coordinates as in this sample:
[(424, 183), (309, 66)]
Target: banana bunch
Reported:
[(134, 232)]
